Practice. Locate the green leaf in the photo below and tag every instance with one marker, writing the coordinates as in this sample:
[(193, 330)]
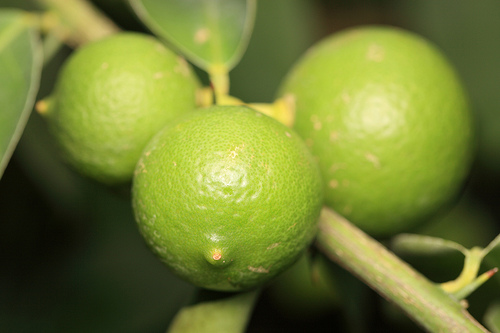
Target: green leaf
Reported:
[(424, 245), (214, 312), (210, 33), (492, 318), (20, 69)]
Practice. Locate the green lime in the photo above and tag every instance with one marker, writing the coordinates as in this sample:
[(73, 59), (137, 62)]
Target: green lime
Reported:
[(227, 197), (111, 97), (388, 119)]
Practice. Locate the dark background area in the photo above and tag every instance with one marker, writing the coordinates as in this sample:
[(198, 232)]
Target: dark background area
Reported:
[(73, 261)]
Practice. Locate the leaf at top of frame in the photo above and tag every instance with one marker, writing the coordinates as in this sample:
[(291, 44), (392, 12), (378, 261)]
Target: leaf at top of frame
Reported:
[(20, 69), (210, 33)]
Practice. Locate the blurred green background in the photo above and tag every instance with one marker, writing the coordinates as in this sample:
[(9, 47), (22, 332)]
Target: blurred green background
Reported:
[(73, 261)]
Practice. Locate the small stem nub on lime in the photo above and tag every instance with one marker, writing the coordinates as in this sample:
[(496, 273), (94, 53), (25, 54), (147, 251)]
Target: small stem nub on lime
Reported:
[(218, 258), (216, 255)]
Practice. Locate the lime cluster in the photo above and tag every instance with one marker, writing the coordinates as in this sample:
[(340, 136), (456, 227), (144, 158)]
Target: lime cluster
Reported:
[(228, 197)]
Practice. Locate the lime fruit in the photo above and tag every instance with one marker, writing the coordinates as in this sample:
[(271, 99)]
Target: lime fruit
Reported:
[(388, 119), (111, 97), (227, 197)]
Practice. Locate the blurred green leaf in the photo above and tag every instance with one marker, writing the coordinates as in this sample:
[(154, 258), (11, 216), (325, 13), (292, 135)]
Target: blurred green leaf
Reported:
[(425, 245), (20, 69), (214, 312), (211, 33), (492, 318)]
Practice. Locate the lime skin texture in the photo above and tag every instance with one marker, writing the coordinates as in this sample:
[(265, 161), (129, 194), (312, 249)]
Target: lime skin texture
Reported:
[(388, 119), (111, 97), (227, 197)]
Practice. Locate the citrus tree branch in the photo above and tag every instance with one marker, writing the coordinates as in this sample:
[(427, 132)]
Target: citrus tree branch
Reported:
[(76, 22), (423, 301)]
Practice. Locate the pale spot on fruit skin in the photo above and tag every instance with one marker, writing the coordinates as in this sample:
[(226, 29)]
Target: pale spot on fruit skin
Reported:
[(259, 269), (375, 53), (272, 246), (160, 249), (215, 237), (373, 159), (334, 183), (347, 209), (160, 48), (334, 136), (317, 125), (345, 183), (309, 142), (105, 65), (346, 97), (174, 163), (182, 66), (158, 75), (202, 35), (288, 134), (335, 167), (141, 168), (292, 226)]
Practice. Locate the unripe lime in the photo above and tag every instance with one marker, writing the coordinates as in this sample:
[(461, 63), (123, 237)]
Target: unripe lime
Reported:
[(387, 117), (227, 197), (111, 97)]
